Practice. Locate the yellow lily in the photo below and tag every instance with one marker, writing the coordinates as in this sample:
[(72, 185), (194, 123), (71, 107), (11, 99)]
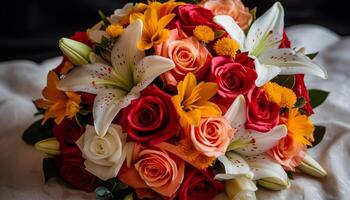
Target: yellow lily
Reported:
[(154, 31), (58, 104), (192, 101)]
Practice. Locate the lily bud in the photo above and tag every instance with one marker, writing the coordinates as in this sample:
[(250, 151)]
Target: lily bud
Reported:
[(77, 52), (273, 183), (49, 146), (240, 188), (311, 167)]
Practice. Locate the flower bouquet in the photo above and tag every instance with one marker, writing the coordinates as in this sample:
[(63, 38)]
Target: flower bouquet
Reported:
[(180, 100)]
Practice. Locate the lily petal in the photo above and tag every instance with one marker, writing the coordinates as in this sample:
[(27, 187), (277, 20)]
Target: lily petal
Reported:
[(261, 142), (292, 62), (265, 72), (125, 54), (148, 69), (234, 165), (89, 78), (232, 28), (267, 31), (236, 114), (264, 168), (107, 104)]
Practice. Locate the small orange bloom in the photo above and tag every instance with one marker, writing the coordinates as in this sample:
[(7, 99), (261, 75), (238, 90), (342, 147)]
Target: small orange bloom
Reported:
[(58, 104), (300, 127)]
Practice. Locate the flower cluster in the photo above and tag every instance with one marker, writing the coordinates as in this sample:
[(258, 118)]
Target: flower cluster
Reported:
[(180, 101)]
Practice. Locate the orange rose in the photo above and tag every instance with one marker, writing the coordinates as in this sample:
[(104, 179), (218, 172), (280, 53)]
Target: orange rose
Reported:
[(212, 136), (153, 168), (234, 8), (289, 153), (188, 54)]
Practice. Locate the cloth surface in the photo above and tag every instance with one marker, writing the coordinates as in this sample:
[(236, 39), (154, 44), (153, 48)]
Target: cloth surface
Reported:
[(21, 174)]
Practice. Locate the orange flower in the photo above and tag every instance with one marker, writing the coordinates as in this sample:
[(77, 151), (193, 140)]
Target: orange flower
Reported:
[(187, 152), (58, 104), (300, 127), (155, 19), (288, 152), (212, 136), (282, 96), (291, 150), (153, 168), (192, 101)]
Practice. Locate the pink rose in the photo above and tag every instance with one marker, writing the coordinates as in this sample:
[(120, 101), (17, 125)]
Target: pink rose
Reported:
[(212, 136), (188, 54), (262, 115), (233, 8)]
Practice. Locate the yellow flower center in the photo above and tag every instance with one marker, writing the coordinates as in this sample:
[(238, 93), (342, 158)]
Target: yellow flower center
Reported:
[(114, 30), (226, 47), (282, 96), (204, 33)]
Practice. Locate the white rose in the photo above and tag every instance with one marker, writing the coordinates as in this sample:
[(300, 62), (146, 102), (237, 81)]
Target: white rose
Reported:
[(104, 155)]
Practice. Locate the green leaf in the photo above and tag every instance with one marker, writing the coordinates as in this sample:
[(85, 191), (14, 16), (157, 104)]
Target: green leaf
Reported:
[(300, 102), (84, 112), (317, 97), (82, 120), (290, 175), (50, 169), (319, 133), (102, 193), (287, 81), (312, 55), (104, 18), (37, 132), (218, 33)]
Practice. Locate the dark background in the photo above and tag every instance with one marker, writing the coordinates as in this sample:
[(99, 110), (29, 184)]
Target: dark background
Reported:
[(30, 29)]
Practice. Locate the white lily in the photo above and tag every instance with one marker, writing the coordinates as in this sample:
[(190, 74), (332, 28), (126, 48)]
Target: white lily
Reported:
[(120, 83), (249, 160), (262, 42), (121, 13)]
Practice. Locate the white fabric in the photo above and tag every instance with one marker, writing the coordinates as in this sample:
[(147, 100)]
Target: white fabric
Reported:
[(20, 165)]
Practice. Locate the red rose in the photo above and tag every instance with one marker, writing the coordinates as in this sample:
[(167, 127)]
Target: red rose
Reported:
[(233, 78), (81, 37), (72, 170), (285, 43), (199, 185), (190, 16), (245, 60), (151, 119), (301, 91), (262, 115), (67, 133)]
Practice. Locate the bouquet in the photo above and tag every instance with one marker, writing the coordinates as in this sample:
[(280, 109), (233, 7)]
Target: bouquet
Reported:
[(180, 100)]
